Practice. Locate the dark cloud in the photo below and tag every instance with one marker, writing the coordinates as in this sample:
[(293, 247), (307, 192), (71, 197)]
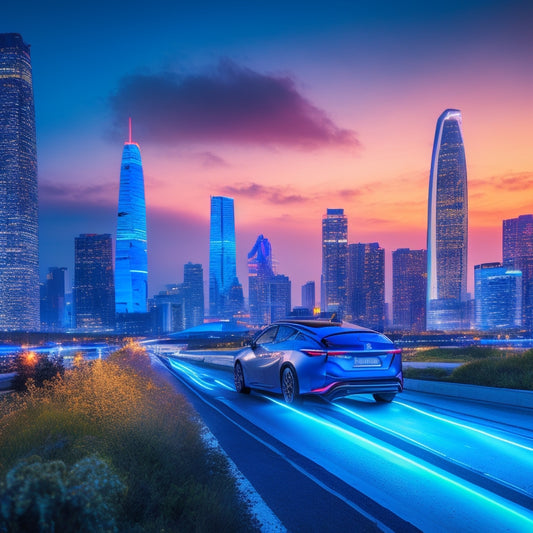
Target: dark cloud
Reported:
[(52, 194), (210, 160), (231, 104), (274, 195)]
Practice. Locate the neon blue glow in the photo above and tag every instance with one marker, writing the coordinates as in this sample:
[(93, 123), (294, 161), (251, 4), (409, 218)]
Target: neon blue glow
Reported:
[(416, 464), (193, 376), (464, 426), (222, 255), (131, 258), (224, 385)]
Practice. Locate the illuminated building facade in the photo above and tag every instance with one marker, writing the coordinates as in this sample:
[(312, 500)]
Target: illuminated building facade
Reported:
[(366, 285), (131, 257), (334, 262), (279, 297), (19, 246), (260, 274), (54, 305), (409, 287), (222, 257), (517, 248), (308, 296), (447, 236), (193, 289), (94, 290), (498, 294)]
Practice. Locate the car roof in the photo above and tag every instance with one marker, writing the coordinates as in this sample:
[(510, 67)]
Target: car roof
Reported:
[(327, 327)]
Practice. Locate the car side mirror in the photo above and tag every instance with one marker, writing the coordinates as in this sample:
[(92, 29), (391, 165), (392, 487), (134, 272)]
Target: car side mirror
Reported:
[(253, 345)]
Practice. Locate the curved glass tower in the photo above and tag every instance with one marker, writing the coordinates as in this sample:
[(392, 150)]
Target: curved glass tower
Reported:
[(19, 245), (131, 258), (447, 239)]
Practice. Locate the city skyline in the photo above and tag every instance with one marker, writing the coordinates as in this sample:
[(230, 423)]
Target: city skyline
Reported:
[(355, 130)]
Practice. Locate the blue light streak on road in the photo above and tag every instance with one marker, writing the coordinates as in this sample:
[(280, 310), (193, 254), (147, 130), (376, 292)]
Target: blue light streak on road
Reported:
[(191, 374), (464, 426), (526, 522)]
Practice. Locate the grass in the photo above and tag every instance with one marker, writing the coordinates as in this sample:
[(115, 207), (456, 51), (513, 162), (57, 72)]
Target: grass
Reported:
[(511, 371), (462, 354), (117, 411)]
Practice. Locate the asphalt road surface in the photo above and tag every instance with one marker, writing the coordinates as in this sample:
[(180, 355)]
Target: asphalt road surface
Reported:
[(423, 462)]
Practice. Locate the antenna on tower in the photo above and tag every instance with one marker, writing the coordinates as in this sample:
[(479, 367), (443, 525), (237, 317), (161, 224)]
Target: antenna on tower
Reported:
[(130, 129)]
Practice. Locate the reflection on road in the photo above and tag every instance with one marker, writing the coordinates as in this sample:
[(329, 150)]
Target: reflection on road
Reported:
[(442, 469)]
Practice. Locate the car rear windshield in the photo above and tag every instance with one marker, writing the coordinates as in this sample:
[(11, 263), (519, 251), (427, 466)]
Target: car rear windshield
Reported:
[(358, 341)]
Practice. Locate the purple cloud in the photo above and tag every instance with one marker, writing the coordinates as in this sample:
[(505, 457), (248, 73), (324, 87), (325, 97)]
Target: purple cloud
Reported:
[(232, 104), (273, 195)]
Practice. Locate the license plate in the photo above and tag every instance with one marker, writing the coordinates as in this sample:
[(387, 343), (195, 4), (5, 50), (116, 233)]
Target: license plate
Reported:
[(366, 361)]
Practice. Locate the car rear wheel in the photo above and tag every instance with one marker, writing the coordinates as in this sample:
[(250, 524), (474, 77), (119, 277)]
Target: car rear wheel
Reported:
[(238, 379), (384, 397), (289, 385)]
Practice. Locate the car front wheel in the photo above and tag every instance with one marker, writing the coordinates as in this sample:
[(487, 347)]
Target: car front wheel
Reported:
[(384, 397), (238, 379), (289, 385)]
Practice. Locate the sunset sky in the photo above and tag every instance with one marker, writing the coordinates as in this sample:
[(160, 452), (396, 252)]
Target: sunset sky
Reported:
[(288, 107)]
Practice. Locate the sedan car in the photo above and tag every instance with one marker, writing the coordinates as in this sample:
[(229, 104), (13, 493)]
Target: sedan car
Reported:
[(322, 358)]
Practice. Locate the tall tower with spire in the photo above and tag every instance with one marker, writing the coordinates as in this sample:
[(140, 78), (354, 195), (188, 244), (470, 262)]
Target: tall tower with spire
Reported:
[(131, 258)]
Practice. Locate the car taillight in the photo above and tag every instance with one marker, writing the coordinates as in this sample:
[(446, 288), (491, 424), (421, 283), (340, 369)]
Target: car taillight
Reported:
[(336, 354), (398, 350), (314, 353)]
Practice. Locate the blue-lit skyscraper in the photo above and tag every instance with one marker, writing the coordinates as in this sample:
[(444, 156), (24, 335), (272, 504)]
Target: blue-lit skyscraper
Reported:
[(498, 293), (260, 274), (222, 256), (19, 246), (131, 258), (447, 237)]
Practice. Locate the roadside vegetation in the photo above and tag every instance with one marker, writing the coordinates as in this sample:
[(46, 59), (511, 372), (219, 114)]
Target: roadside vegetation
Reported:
[(462, 354), (507, 370), (106, 446)]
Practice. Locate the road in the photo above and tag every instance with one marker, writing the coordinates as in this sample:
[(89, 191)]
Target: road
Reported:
[(423, 462)]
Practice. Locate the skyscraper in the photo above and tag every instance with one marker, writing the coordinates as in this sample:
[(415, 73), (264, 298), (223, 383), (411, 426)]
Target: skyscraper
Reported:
[(498, 294), (279, 297), (260, 274), (409, 287), (366, 285), (308, 296), (334, 261), (131, 259), (193, 288), (517, 248), (94, 290), (19, 246), (222, 255), (447, 236), (54, 301)]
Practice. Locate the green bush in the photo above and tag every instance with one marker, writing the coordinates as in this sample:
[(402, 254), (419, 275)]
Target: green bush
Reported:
[(512, 372), (47, 497)]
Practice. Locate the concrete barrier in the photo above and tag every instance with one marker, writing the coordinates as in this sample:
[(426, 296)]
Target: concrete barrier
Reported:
[(508, 397)]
